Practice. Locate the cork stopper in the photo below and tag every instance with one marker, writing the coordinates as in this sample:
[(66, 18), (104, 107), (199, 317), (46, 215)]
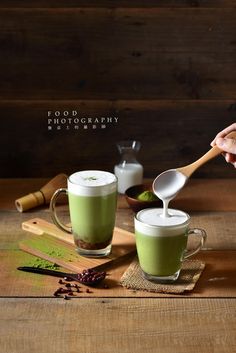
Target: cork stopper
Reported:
[(30, 201)]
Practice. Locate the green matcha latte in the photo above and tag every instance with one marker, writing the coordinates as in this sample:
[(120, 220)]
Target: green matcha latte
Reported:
[(161, 242), (92, 204)]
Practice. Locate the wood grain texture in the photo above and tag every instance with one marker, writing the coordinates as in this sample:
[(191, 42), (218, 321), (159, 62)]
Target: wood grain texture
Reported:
[(58, 247), (13, 189), (209, 209), (172, 134), (207, 195), (123, 324), (134, 322), (162, 54), (103, 53), (119, 3), (201, 195), (220, 227), (165, 70), (217, 279)]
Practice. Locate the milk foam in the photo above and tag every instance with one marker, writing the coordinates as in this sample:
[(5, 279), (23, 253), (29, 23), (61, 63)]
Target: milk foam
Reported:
[(151, 222), (92, 183)]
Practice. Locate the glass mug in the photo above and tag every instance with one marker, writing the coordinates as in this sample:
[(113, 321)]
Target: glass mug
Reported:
[(92, 198), (161, 243)]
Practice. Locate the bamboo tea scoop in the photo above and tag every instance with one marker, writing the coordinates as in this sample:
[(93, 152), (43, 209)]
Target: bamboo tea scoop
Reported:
[(43, 196), (169, 183)]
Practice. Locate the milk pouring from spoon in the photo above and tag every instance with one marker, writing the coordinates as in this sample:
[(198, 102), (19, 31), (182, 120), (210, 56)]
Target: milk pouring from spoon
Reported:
[(167, 184)]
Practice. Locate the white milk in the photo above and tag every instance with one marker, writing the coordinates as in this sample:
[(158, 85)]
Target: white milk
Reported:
[(167, 185), (128, 175)]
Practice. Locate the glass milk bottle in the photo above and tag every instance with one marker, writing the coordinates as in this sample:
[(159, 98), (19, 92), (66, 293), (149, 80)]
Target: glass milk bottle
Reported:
[(129, 171)]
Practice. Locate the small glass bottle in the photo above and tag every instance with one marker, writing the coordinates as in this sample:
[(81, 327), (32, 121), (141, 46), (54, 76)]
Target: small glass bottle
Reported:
[(129, 171)]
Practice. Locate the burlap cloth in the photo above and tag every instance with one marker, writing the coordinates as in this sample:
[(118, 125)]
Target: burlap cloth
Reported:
[(189, 275)]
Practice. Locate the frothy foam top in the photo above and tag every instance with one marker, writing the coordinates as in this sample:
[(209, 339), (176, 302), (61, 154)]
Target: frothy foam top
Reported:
[(92, 183), (151, 221)]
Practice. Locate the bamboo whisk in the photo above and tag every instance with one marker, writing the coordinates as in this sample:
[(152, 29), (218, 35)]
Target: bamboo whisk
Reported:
[(43, 196)]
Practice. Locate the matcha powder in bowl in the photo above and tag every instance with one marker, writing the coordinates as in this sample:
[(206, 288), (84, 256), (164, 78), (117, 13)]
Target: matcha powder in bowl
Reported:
[(147, 196)]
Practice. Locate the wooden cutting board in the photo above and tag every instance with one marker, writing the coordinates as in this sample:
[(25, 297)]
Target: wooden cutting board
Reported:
[(56, 246)]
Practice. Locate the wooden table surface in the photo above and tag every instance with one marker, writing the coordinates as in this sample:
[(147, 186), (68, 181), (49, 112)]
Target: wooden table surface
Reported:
[(117, 319)]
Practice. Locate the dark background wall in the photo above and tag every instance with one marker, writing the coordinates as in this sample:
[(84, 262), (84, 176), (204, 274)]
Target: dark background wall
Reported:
[(166, 70)]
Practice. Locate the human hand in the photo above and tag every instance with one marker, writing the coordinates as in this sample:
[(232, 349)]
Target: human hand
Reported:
[(228, 145)]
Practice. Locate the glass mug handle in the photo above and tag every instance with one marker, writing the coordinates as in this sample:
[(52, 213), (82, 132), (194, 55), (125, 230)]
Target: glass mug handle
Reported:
[(55, 219), (199, 233)]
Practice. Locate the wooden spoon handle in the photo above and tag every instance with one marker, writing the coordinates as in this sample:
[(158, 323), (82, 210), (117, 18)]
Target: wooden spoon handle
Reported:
[(212, 153), (189, 169)]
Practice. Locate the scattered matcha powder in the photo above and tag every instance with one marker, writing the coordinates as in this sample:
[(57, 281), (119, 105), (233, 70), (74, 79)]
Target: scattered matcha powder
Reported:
[(60, 253), (40, 263), (41, 245)]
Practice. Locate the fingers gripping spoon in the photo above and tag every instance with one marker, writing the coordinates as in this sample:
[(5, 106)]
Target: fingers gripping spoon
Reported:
[(167, 184)]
